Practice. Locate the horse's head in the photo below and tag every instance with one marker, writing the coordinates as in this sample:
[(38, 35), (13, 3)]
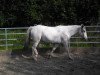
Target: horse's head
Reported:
[(83, 32)]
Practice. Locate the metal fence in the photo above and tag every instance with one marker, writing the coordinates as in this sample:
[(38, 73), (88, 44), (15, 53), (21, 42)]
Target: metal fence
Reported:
[(7, 35)]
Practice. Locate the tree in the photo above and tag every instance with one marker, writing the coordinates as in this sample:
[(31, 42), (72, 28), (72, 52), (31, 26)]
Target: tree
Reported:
[(49, 12)]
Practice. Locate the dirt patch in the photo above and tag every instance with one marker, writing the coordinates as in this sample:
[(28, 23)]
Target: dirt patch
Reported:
[(87, 64)]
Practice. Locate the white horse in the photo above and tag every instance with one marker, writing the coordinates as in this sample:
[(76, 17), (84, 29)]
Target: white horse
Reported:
[(58, 34)]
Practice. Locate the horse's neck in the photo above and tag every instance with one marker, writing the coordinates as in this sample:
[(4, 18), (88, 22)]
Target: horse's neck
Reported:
[(73, 30)]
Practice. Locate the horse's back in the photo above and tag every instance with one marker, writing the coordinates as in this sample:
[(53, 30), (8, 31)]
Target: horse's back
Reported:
[(46, 33)]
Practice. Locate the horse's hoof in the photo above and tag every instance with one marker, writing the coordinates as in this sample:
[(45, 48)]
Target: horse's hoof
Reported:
[(52, 55), (48, 56), (35, 57), (71, 58), (26, 57)]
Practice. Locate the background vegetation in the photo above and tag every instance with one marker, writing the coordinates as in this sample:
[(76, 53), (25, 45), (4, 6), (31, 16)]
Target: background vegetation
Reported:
[(24, 13), (16, 13)]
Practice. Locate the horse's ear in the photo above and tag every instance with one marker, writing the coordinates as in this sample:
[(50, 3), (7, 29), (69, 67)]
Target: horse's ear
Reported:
[(82, 25)]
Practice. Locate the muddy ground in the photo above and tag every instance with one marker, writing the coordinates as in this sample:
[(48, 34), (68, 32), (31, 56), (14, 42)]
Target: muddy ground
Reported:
[(86, 62)]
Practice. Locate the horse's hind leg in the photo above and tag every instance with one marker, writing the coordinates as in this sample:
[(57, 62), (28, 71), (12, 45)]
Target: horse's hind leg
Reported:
[(34, 51)]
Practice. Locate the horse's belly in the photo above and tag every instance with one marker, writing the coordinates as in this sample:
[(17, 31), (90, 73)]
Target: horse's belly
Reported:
[(53, 39), (51, 35)]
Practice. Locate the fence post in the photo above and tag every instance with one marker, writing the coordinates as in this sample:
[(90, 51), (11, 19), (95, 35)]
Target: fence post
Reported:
[(6, 39)]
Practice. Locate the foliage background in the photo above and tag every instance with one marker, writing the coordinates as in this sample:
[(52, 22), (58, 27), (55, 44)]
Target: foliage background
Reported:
[(19, 13)]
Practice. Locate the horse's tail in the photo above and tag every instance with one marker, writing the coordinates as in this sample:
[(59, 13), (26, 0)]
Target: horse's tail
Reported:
[(27, 41)]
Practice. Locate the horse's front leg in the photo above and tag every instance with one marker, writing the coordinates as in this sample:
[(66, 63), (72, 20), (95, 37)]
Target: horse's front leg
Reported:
[(53, 49), (65, 43), (67, 49)]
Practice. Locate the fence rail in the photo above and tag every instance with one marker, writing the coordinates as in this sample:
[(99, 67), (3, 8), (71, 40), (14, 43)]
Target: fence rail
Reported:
[(10, 37)]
